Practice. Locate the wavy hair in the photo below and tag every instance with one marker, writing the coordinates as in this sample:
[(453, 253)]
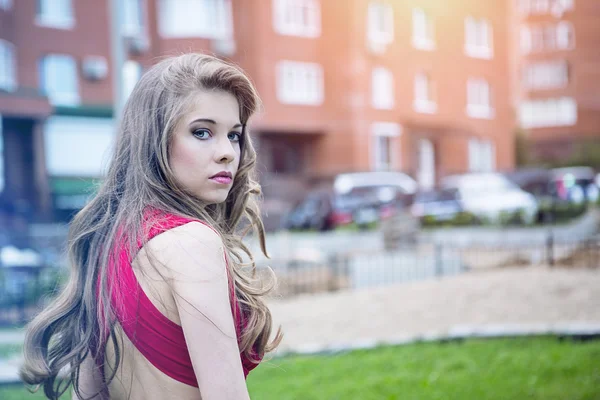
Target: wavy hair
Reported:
[(138, 177)]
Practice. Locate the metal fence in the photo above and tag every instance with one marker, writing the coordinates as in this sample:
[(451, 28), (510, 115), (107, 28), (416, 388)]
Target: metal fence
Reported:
[(347, 271), (23, 291)]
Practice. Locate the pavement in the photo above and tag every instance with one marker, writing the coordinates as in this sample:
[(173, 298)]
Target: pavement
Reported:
[(499, 302)]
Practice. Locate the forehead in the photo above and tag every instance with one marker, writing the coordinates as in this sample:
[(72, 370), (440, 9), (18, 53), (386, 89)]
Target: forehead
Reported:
[(218, 105)]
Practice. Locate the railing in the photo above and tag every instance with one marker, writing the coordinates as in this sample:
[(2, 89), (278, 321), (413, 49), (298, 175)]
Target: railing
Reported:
[(427, 261)]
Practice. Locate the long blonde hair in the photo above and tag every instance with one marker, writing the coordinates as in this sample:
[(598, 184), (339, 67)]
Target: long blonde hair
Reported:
[(139, 177)]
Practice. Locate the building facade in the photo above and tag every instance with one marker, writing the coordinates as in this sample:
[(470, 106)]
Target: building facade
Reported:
[(556, 70), (352, 85)]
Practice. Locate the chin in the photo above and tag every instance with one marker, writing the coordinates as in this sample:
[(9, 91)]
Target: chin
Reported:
[(215, 198)]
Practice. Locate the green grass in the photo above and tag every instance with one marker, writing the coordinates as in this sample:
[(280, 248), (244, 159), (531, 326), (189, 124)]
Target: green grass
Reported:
[(529, 368), (526, 368)]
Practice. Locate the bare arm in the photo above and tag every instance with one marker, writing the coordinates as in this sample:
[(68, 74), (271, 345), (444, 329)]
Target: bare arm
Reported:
[(194, 259)]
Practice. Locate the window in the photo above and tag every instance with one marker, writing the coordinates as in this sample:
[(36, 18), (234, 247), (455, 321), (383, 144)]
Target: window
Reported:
[(195, 18), (5, 4), (548, 37), (55, 14), (546, 75), (59, 79), (133, 18), (539, 7), (89, 142), (8, 79), (548, 113), (380, 23), (382, 88), (423, 36), (482, 155), (526, 40), (299, 83), (297, 17), (132, 72), (385, 135), (424, 101), (478, 38), (479, 104), (565, 36)]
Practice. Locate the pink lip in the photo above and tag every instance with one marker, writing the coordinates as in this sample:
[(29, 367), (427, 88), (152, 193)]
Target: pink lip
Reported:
[(223, 180)]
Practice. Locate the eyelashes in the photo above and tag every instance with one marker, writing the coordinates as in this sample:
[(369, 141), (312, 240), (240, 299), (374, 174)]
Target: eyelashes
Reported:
[(203, 134)]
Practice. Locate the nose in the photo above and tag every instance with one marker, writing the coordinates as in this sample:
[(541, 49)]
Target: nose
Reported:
[(225, 153)]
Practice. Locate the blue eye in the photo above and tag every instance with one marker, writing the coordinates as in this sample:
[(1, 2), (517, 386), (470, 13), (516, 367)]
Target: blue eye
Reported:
[(201, 133), (234, 136)]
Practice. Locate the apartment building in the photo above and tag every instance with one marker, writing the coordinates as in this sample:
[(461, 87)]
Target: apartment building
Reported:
[(556, 70), (352, 85)]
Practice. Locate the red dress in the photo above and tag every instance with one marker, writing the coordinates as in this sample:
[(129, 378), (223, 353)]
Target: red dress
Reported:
[(157, 338)]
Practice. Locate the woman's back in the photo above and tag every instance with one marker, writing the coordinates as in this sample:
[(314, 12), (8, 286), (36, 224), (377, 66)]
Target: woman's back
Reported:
[(137, 377), (154, 352)]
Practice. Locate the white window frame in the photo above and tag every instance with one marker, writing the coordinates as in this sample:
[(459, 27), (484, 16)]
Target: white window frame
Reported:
[(547, 37), (300, 83), (526, 40), (479, 99), (546, 75), (539, 7), (392, 131), (479, 38), (481, 155), (424, 94), (423, 30), (54, 96), (8, 66), (288, 18), (134, 18), (565, 36), (380, 11), (548, 113), (176, 21), (63, 20), (382, 89), (6, 5), (90, 140)]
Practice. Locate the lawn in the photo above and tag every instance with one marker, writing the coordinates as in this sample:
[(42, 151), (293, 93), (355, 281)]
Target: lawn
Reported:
[(499, 369)]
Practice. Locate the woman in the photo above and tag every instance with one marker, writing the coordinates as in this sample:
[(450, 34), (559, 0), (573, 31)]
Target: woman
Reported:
[(160, 304)]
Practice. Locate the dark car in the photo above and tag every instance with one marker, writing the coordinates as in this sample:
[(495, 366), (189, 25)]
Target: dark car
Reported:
[(575, 184), (556, 187), (325, 209), (441, 205), (322, 210)]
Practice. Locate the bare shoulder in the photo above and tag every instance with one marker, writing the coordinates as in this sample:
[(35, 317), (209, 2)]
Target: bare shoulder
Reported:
[(187, 247)]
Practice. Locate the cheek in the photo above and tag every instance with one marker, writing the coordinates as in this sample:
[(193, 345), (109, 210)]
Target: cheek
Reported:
[(182, 155)]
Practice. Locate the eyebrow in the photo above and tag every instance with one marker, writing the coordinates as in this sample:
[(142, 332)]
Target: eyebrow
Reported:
[(212, 121)]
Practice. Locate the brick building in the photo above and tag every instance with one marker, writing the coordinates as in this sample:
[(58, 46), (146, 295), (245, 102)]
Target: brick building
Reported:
[(352, 85), (556, 70)]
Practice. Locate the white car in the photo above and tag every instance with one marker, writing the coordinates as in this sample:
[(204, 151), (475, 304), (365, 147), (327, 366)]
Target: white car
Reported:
[(491, 195), (345, 183)]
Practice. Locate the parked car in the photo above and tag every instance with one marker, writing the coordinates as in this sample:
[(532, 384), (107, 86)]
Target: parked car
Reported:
[(346, 183), (322, 209), (576, 184), (361, 198), (441, 205), (491, 196)]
